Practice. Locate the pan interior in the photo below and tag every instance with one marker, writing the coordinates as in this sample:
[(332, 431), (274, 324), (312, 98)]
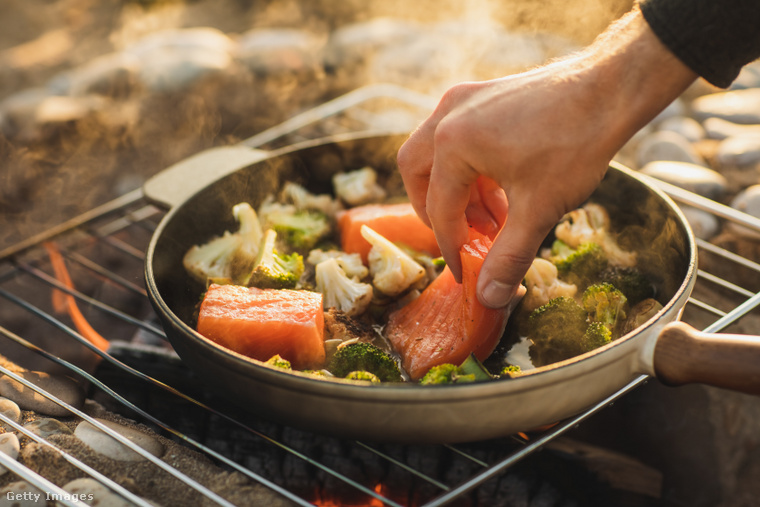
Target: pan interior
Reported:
[(647, 223)]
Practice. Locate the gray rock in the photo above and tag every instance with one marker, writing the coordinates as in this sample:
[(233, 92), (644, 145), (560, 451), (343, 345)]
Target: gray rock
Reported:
[(92, 492), (704, 224), (112, 74), (354, 43), (46, 427), (63, 388), (104, 444), (689, 128), (172, 60), (274, 51), (741, 151), (749, 77), (667, 145), (738, 106), (695, 178), (22, 494), (9, 445), (717, 128), (747, 201), (11, 410)]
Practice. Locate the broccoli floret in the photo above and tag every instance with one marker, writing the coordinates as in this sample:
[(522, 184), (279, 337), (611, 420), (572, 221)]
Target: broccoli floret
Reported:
[(392, 270), (358, 187), (630, 281), (272, 270), (340, 291), (231, 255), (543, 284), (367, 357), (605, 304), (471, 370), (511, 370), (278, 362), (301, 230), (581, 265), (363, 375), (596, 335), (556, 330)]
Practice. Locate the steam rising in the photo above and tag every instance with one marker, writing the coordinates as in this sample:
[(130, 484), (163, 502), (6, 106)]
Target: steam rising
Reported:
[(70, 145)]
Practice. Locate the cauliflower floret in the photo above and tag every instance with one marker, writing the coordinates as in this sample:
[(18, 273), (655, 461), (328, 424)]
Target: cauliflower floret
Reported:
[(543, 285), (351, 263), (358, 187), (230, 256), (392, 270), (303, 199), (340, 291), (590, 224)]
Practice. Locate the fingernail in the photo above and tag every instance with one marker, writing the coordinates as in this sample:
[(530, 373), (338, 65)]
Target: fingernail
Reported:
[(497, 294)]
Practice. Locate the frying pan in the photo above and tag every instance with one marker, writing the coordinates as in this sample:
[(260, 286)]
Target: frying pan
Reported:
[(201, 193)]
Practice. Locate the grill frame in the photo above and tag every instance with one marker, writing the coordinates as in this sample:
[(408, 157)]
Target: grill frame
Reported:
[(104, 224)]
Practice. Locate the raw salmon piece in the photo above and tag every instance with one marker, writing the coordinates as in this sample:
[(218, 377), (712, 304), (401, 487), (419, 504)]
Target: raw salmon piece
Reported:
[(396, 222), (447, 322), (261, 323)]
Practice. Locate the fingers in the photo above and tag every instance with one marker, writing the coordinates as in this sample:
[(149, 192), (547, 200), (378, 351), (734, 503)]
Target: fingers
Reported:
[(510, 257), (414, 161), (449, 191)]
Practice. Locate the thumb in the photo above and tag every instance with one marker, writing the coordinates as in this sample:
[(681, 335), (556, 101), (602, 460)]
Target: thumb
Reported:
[(510, 257)]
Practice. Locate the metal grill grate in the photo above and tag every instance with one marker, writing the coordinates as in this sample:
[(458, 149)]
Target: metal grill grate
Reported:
[(104, 251)]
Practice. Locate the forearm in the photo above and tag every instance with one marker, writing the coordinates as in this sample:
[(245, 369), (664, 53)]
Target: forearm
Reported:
[(636, 76)]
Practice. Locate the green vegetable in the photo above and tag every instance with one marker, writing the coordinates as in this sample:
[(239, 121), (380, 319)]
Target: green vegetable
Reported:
[(556, 330), (630, 281), (272, 270), (302, 229), (605, 304), (471, 370), (364, 356), (363, 375), (581, 265), (278, 362)]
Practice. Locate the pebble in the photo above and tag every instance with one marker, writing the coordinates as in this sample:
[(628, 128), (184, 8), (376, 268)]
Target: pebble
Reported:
[(172, 60), (738, 106), (695, 178), (717, 128), (354, 43), (46, 427), (11, 410), (689, 128), (22, 494), (274, 51), (104, 444), (676, 108), (747, 201), (749, 77), (9, 445), (92, 492), (667, 145), (705, 225), (739, 151), (63, 388), (113, 74)]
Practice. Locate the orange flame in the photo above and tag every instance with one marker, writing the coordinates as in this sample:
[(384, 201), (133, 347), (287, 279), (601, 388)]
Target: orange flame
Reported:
[(66, 302), (335, 502)]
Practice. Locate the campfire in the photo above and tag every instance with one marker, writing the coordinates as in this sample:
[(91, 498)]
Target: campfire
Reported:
[(94, 102)]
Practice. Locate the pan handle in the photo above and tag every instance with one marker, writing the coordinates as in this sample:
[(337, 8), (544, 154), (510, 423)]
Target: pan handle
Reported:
[(177, 183), (684, 355)]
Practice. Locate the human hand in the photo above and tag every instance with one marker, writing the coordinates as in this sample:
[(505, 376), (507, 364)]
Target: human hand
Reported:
[(533, 146)]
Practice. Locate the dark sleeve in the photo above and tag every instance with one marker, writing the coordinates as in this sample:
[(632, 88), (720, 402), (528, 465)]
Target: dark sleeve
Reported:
[(715, 38)]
